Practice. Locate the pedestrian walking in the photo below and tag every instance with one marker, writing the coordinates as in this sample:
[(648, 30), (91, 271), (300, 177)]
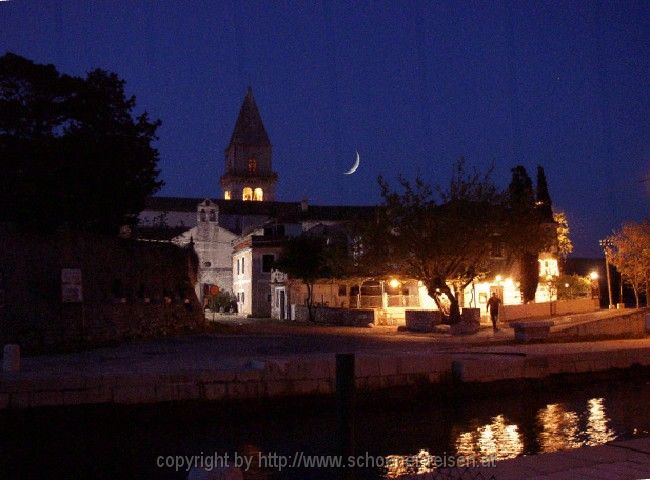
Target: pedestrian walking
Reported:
[(493, 307)]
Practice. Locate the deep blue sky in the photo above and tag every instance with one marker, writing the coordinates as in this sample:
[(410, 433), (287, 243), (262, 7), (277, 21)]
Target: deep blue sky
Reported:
[(411, 86)]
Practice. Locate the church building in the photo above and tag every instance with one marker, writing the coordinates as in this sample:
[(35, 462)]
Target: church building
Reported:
[(217, 226)]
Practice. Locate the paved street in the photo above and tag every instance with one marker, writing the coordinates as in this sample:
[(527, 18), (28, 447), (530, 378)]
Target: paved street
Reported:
[(623, 460), (243, 340)]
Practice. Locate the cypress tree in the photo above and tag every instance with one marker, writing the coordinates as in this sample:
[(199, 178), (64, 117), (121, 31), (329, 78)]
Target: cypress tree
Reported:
[(543, 198)]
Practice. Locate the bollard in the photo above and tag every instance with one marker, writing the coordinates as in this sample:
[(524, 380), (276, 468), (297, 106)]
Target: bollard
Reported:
[(457, 371), (11, 358), (345, 393)]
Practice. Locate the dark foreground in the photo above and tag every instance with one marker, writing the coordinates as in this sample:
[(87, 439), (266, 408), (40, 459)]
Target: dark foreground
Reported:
[(109, 441)]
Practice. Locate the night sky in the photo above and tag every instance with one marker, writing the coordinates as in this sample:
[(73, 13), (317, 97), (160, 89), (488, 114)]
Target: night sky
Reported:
[(411, 86)]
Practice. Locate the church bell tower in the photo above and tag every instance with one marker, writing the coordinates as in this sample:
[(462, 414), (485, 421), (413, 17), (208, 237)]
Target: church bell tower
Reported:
[(248, 174)]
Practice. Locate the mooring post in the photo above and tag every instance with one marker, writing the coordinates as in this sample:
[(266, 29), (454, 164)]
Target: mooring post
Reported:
[(11, 358), (345, 393)]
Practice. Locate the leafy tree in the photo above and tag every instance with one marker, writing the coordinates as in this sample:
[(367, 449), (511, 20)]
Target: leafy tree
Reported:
[(571, 286), (438, 238), (309, 258), (564, 243), (72, 151), (630, 254)]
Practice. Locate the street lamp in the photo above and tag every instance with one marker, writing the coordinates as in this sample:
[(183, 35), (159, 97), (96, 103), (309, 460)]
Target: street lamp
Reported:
[(595, 290), (606, 245)]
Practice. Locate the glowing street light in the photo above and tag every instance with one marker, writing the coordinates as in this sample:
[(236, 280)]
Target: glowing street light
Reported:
[(394, 283), (593, 275)]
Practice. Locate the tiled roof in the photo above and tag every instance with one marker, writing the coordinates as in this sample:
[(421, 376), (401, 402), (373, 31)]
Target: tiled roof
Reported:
[(283, 211)]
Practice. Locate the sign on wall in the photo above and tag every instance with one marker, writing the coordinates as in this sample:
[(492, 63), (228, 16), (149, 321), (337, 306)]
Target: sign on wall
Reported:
[(71, 289)]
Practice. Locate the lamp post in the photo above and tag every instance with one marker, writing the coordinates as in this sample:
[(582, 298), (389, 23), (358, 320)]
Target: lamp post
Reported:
[(595, 290), (605, 245)]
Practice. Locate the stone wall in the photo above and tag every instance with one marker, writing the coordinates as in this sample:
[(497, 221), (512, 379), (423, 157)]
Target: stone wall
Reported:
[(632, 325), (547, 309), (347, 317), (128, 288)]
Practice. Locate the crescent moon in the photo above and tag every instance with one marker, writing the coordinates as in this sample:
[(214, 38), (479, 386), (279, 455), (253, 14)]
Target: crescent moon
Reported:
[(354, 167)]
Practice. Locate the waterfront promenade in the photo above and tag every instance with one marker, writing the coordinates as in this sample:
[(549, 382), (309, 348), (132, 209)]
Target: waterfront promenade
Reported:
[(620, 460), (268, 361)]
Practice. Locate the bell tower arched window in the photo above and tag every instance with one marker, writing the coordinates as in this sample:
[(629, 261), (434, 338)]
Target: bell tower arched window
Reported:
[(258, 194), (247, 193), (252, 166)]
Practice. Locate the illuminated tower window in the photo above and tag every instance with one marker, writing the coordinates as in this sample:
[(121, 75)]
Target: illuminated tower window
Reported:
[(226, 195), (258, 194), (247, 193), (252, 165)]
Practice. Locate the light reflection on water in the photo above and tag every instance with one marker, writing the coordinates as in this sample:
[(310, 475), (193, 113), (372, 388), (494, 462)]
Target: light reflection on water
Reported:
[(498, 440), (557, 428)]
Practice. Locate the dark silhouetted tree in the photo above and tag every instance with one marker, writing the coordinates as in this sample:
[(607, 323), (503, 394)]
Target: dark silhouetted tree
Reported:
[(543, 198), (440, 239), (528, 232), (72, 152), (311, 258)]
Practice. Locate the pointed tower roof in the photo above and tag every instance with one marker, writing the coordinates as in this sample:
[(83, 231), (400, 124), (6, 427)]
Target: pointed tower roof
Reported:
[(249, 129)]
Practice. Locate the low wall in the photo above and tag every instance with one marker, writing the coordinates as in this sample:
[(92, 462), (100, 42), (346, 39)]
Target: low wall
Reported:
[(508, 313), (305, 375), (121, 288), (630, 325), (578, 305), (347, 317), (422, 320)]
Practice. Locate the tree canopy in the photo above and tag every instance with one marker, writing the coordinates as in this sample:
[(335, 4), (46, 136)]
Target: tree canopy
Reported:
[(440, 238), (629, 251), (311, 257), (72, 151), (528, 228)]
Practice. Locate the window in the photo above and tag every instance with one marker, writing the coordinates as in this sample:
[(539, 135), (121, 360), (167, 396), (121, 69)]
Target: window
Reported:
[(252, 165), (242, 297), (267, 262), (212, 216), (343, 290), (242, 266), (237, 266), (226, 195), (354, 290), (247, 193), (202, 215), (258, 195), (207, 264)]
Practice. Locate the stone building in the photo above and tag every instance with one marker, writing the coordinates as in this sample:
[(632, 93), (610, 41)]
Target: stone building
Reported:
[(239, 236), (217, 226)]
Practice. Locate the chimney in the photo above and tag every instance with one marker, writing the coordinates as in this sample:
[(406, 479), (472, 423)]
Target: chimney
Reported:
[(304, 205)]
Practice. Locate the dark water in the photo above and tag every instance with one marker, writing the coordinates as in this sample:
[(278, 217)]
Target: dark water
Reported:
[(118, 442)]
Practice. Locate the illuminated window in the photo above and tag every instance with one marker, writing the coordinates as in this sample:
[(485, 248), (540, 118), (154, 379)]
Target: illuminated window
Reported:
[(258, 194), (226, 195), (247, 193), (252, 165)]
